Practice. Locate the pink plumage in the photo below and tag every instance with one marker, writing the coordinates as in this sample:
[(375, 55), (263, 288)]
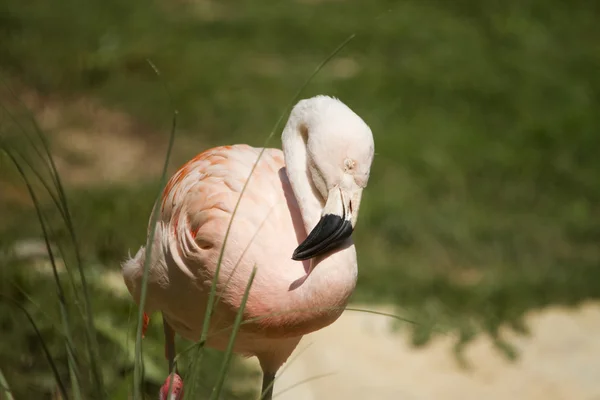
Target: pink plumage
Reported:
[(293, 224)]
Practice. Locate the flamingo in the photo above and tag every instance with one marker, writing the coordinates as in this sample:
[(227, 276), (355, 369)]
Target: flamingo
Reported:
[(293, 224)]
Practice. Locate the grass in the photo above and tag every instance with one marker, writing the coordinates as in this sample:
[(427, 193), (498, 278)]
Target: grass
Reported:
[(32, 171), (483, 202)]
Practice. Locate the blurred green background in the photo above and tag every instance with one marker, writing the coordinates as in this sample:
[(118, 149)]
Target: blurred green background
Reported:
[(484, 198)]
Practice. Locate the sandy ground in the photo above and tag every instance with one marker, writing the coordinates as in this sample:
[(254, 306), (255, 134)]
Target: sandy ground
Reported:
[(359, 357)]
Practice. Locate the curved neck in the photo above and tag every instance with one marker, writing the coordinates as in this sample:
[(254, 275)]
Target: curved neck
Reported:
[(294, 137), (331, 285)]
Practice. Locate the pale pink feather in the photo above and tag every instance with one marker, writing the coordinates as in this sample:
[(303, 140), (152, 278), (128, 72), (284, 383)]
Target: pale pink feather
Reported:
[(196, 209)]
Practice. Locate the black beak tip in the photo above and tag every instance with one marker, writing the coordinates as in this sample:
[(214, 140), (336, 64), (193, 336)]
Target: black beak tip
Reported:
[(297, 256), (329, 233)]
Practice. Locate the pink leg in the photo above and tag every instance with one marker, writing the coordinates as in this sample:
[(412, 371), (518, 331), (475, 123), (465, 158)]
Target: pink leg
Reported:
[(176, 392), (169, 344)]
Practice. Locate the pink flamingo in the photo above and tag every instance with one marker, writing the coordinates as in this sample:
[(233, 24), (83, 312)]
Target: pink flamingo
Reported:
[(293, 224)]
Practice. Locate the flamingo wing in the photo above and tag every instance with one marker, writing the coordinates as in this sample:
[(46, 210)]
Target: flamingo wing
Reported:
[(196, 209)]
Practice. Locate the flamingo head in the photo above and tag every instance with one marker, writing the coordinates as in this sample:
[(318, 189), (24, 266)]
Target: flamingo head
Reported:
[(339, 151)]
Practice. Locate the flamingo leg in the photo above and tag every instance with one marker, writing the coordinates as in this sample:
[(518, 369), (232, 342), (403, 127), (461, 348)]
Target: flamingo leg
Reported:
[(267, 386), (172, 389), (169, 344)]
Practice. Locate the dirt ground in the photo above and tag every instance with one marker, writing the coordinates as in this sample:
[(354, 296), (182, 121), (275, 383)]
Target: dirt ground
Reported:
[(359, 357)]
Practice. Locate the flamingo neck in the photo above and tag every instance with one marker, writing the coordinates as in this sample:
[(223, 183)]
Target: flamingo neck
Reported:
[(303, 121), (294, 138), (329, 279)]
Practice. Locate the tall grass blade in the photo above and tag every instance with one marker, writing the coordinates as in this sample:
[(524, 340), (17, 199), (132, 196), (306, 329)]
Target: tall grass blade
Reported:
[(55, 200), (93, 348), (57, 377), (58, 205), (30, 164), (196, 361), (294, 310), (5, 392), (71, 358), (302, 382), (69, 349), (90, 331), (60, 292), (138, 373), (48, 161), (271, 134), (229, 351)]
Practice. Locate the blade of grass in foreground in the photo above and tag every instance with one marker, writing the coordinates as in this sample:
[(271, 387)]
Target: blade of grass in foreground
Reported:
[(59, 289), (38, 174), (229, 351), (90, 329), (29, 164), (302, 382), (92, 343), (71, 356), (59, 381), (137, 371), (5, 391), (194, 346), (268, 139), (197, 358), (70, 351)]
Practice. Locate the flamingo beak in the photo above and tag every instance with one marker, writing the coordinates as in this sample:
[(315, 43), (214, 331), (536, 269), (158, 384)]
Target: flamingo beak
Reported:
[(335, 226)]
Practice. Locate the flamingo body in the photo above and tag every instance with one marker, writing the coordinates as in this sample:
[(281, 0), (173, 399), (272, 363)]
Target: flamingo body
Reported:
[(283, 201)]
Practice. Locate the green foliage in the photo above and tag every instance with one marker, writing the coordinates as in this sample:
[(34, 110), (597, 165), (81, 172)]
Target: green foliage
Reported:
[(483, 201), (53, 341)]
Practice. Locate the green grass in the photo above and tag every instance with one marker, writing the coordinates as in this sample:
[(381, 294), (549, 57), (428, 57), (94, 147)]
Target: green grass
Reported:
[(75, 324), (484, 200)]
